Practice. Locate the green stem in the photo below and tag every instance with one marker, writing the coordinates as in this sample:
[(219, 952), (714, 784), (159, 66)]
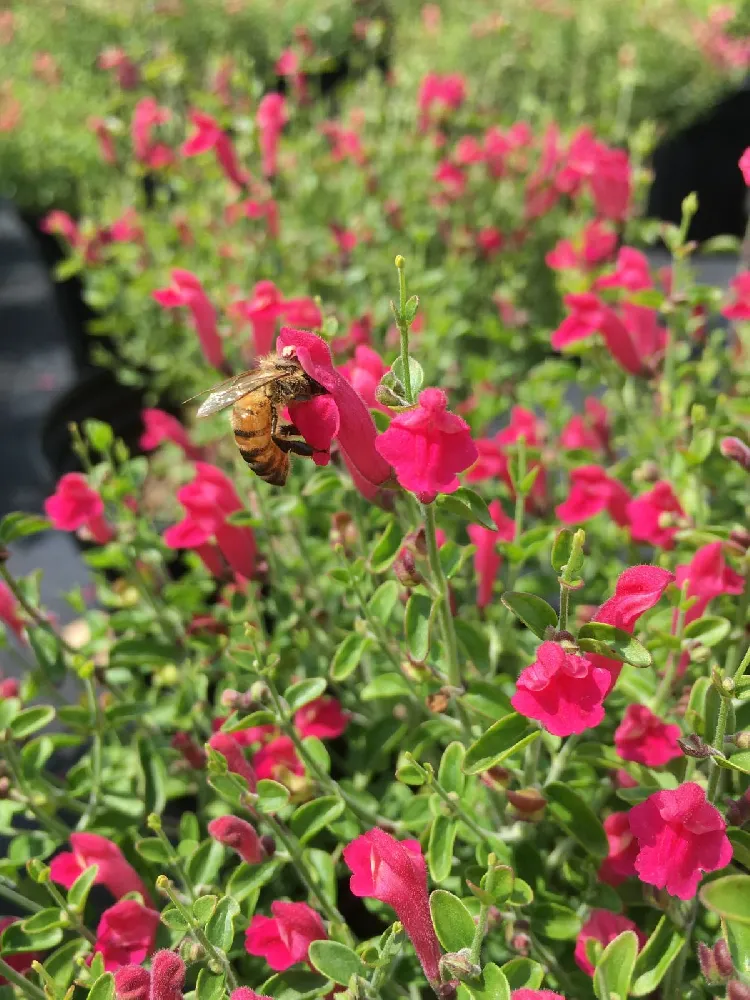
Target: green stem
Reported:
[(714, 781), (673, 660), (484, 913), (674, 988), (742, 668), (55, 827), (21, 982), (96, 754), (531, 761), (560, 761), (198, 933), (562, 621), (15, 897), (73, 917), (36, 616), (174, 858), (508, 833), (403, 327), (388, 952), (443, 601)]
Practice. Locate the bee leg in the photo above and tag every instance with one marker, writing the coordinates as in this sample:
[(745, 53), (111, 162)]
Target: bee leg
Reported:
[(288, 438)]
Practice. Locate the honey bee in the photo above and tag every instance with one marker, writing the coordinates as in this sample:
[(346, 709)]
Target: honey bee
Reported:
[(257, 396)]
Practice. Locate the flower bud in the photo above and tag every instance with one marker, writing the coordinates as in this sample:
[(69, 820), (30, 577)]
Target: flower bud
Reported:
[(723, 959), (521, 943), (707, 963), (741, 740), (231, 699), (740, 538), (438, 702), (132, 983), (191, 752), (405, 568), (693, 746), (167, 976), (648, 472), (738, 991), (528, 804), (738, 811), (496, 777), (458, 965), (191, 951), (343, 531), (737, 451), (268, 844)]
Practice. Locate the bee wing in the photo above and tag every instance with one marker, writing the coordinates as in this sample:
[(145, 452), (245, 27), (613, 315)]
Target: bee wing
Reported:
[(226, 393)]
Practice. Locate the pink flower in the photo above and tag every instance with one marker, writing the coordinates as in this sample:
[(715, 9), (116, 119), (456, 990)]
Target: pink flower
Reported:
[(75, 505), (346, 239), (126, 934), (288, 64), (148, 115), (441, 94), (341, 414), (427, 446), (285, 938), (493, 458), (631, 272), (490, 241), (61, 224), (9, 608), (208, 135), (468, 150), (364, 373), (680, 835), (302, 312), (126, 228), (395, 873), (126, 71), (22, 960), (535, 995), (186, 290), (323, 718), (277, 759), (9, 687), (645, 738), (345, 143), (591, 492), (708, 576), (114, 871), (253, 734), (744, 166), (451, 178), (245, 993), (739, 309), (268, 210), (263, 309), (270, 118), (231, 751), (487, 560), (561, 690), (590, 316), (209, 499), (189, 750), (159, 427), (590, 430), (240, 836), (604, 927), (594, 244), (105, 139), (653, 516), (167, 976), (623, 850), (132, 982)]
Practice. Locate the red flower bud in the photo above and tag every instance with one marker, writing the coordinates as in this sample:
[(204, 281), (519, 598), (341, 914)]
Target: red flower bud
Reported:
[(738, 451), (240, 836)]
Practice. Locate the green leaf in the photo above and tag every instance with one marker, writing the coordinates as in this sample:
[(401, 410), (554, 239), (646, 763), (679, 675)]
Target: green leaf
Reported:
[(710, 630), (317, 752), (657, 954), (738, 939), (440, 848), (31, 719), (475, 642), (272, 795), (79, 891), (614, 970), (19, 525), (204, 908), (383, 601), (154, 777), (492, 985), (304, 692), (454, 925), (9, 708), (220, 928), (385, 686), (729, 897), (15, 938), (533, 611), (740, 841), (559, 923), (410, 310), (347, 656), (174, 920), (335, 961), (415, 373), (467, 505), (450, 774), (409, 771), (386, 548), (507, 737), (417, 626), (103, 988), (61, 964), (204, 864), (261, 718), (737, 762), (293, 983), (561, 549), (311, 817), (597, 637), (45, 920), (153, 849), (523, 974), (209, 986), (577, 818), (245, 879), (99, 435)]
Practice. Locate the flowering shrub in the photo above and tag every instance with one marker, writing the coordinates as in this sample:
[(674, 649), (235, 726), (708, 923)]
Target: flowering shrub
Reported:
[(462, 707)]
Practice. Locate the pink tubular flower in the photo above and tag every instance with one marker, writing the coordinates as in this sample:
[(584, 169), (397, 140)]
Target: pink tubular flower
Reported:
[(148, 114), (589, 315), (631, 272), (263, 309), (323, 718), (341, 414), (132, 982), (744, 165), (209, 499), (270, 118), (105, 139), (186, 290), (126, 934), (114, 871), (535, 995), (739, 308), (20, 961), (285, 938), (9, 608), (680, 835), (9, 687), (395, 873), (645, 738), (590, 430), (75, 505), (441, 94), (253, 734), (591, 492), (364, 373), (240, 836), (487, 560), (345, 143), (231, 751), (277, 759), (623, 850), (708, 576), (561, 690), (159, 427), (208, 135), (245, 993), (653, 515), (604, 927), (490, 241), (126, 71), (594, 244), (167, 976), (61, 224), (427, 446)]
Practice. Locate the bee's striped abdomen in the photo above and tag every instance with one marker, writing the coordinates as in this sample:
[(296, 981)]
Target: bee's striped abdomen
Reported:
[(252, 421)]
